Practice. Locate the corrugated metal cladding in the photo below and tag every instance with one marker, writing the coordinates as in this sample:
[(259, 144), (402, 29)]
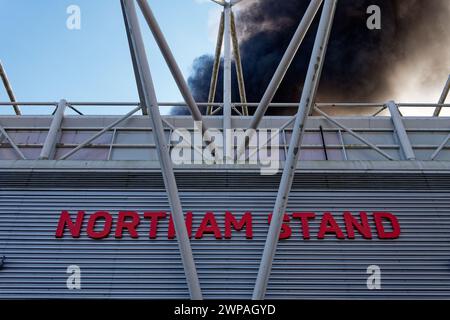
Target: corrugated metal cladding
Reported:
[(417, 265)]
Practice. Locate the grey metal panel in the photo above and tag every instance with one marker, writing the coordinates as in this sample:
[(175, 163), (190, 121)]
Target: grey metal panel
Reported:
[(120, 153), (29, 132), (226, 180), (417, 265)]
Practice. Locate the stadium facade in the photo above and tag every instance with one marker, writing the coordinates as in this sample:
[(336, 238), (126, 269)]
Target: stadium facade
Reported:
[(94, 207), (120, 172)]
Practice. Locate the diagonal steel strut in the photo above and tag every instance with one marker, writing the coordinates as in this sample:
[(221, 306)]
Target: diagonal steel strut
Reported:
[(100, 133), (11, 142), (149, 100), (353, 134), (306, 104), (171, 62), (282, 68), (238, 65), (442, 99), (175, 71), (440, 148), (8, 89)]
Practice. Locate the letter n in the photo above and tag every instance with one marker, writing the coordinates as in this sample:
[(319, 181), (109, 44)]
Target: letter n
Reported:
[(363, 227), (74, 228)]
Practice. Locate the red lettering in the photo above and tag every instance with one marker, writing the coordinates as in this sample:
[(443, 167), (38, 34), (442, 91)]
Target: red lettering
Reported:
[(106, 226), (188, 220), (351, 223), (286, 230), (245, 222), (382, 234), (131, 226), (329, 225), (208, 225), (74, 228), (154, 219), (304, 217), (100, 225)]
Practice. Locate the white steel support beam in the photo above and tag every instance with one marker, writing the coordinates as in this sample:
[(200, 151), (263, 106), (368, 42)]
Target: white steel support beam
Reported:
[(163, 151), (401, 131), (238, 64), (285, 62), (443, 97), (136, 70), (216, 66), (8, 89), (306, 104), (171, 62), (227, 70), (48, 150)]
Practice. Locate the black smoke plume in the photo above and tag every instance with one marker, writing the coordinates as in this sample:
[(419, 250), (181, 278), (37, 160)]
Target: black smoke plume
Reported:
[(360, 65)]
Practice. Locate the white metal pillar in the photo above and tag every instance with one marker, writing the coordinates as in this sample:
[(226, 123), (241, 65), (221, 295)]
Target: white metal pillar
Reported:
[(227, 69), (401, 131), (170, 183), (48, 149), (443, 97), (306, 104), (282, 68)]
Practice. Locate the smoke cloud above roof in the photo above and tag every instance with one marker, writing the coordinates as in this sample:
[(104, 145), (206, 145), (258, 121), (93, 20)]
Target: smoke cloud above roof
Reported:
[(411, 51)]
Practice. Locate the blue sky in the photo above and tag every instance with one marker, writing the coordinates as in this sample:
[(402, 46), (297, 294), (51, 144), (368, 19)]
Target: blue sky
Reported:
[(46, 61)]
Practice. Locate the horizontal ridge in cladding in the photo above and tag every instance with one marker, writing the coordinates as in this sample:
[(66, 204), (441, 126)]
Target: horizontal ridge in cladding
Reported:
[(219, 180), (417, 265)]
